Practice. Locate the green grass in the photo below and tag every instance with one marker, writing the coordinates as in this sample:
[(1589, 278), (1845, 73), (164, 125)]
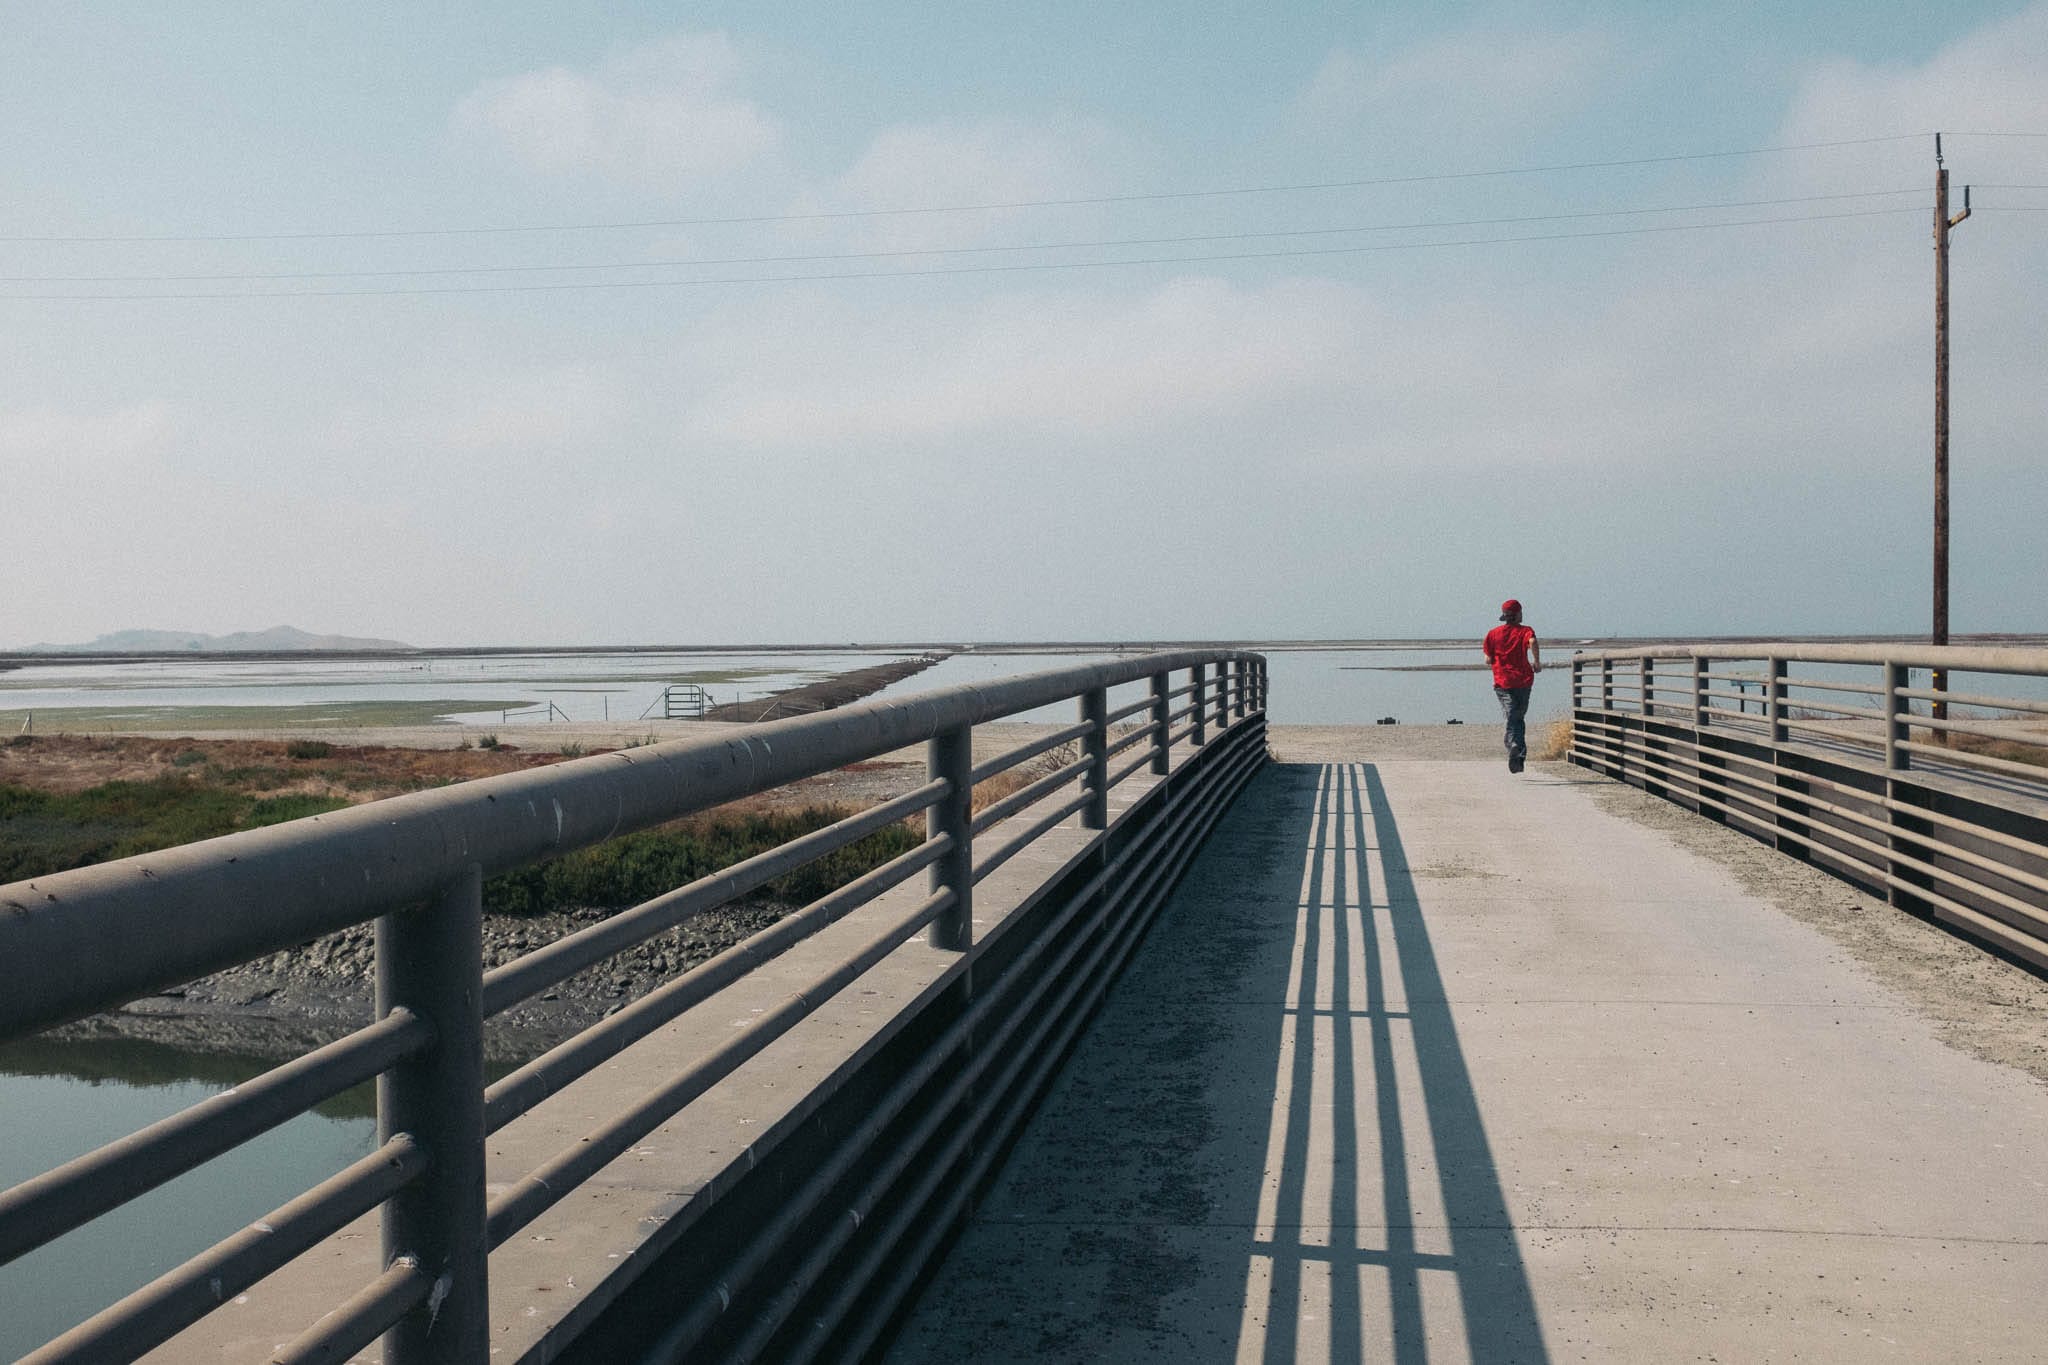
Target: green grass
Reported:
[(631, 869), (45, 832)]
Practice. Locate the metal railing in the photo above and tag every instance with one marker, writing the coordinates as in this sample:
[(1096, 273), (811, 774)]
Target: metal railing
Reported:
[(80, 942), (1932, 795)]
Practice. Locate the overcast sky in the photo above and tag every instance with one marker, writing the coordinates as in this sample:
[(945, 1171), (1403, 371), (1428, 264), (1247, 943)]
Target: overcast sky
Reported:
[(767, 428)]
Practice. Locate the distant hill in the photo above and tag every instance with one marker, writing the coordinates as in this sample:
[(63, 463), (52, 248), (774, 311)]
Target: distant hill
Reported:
[(276, 639)]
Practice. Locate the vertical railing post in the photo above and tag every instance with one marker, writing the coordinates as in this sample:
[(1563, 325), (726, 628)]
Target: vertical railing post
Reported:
[(1095, 750), (1648, 683), (1898, 713), (1774, 698), (1162, 683), (1907, 836), (1222, 696), (1200, 699), (1699, 692), (1606, 684), (430, 962), (1242, 670), (950, 756)]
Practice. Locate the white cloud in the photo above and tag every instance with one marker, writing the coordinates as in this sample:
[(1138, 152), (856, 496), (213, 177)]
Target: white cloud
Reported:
[(967, 162), (1454, 83), (647, 117), (1994, 79), (1063, 366)]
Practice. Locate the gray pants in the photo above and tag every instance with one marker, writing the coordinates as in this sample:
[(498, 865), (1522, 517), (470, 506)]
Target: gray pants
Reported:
[(1514, 704)]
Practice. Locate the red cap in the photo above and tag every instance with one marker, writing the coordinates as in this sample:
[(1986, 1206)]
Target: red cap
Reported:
[(1510, 608)]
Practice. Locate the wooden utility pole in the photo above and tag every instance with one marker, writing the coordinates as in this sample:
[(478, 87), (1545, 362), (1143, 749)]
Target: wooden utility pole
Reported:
[(1942, 224)]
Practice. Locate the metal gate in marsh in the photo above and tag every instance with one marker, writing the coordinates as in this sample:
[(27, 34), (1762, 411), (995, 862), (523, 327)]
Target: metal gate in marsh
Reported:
[(680, 701)]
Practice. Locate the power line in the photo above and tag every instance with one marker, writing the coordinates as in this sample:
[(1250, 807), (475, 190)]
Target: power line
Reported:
[(946, 251), (838, 214), (958, 270)]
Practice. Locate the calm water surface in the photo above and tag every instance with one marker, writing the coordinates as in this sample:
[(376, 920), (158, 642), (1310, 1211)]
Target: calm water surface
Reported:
[(584, 687), (61, 1101)]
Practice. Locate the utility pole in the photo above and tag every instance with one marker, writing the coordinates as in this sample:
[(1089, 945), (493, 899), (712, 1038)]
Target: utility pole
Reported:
[(1942, 224)]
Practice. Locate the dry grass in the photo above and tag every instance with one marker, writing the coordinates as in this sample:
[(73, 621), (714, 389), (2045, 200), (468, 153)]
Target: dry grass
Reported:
[(2012, 751), (1012, 780), (72, 763), (1553, 741)]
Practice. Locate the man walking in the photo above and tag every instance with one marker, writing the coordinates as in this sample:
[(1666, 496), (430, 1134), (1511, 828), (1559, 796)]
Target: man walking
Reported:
[(1516, 658)]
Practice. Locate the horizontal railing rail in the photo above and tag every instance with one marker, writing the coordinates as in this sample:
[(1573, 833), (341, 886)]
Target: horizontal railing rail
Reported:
[(77, 943), (1876, 778)]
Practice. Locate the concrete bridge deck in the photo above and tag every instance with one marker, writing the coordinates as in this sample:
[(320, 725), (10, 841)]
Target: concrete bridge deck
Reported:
[(1426, 1062)]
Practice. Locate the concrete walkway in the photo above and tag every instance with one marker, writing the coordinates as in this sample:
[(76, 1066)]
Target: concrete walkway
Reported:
[(1426, 1062)]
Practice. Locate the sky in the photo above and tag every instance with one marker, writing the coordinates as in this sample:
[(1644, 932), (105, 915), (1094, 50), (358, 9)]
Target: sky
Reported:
[(590, 324)]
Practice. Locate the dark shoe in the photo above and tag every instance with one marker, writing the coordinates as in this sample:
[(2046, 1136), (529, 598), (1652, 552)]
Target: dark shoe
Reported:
[(1515, 763)]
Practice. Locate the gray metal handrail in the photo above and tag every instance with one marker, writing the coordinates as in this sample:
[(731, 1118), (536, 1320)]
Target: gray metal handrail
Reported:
[(79, 942), (1906, 802), (1894, 715), (1960, 658)]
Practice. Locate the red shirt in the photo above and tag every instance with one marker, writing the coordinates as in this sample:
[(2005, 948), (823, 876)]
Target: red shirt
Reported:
[(1507, 649)]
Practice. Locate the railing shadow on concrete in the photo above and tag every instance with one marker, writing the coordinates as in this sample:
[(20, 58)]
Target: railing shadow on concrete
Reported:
[(1379, 936), (915, 1092), (1933, 796)]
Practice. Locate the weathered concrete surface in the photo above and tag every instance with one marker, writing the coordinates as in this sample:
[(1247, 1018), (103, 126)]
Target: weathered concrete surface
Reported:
[(1429, 1062)]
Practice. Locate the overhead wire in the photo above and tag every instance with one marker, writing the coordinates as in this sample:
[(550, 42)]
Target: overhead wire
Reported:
[(911, 252), (824, 215), (991, 269)]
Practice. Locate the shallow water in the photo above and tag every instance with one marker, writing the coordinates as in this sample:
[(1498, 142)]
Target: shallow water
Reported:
[(60, 1101), (583, 687)]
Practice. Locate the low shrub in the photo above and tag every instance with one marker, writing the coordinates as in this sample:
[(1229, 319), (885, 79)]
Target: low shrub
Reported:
[(275, 810), (636, 867), (308, 748), (45, 832)]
